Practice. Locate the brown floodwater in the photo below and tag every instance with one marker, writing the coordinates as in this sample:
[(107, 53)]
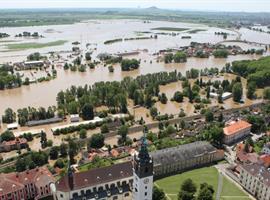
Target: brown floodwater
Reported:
[(96, 32)]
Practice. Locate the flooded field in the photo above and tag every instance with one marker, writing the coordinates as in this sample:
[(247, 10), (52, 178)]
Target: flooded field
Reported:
[(92, 35)]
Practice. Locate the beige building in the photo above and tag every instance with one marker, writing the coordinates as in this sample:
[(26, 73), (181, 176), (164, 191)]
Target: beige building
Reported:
[(255, 179), (181, 158), (236, 131)]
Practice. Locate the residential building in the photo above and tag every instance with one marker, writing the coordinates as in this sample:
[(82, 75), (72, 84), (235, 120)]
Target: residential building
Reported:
[(255, 178), (236, 131), (12, 126), (266, 149), (184, 157), (17, 144), (224, 96), (31, 184)]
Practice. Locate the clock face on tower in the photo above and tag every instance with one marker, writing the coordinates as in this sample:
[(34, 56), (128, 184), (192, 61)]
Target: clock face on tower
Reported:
[(146, 181)]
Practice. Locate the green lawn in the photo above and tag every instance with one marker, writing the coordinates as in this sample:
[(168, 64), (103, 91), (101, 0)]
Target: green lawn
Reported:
[(33, 45), (171, 185)]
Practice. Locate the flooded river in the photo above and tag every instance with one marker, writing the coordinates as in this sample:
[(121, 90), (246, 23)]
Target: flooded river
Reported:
[(95, 33)]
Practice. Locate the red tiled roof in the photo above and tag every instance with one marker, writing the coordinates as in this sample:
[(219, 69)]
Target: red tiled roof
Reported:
[(40, 176), (236, 127), (266, 160)]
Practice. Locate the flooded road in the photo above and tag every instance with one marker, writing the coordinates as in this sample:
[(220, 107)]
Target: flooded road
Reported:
[(95, 33)]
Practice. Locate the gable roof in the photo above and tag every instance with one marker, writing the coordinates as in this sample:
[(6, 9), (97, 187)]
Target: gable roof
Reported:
[(96, 176)]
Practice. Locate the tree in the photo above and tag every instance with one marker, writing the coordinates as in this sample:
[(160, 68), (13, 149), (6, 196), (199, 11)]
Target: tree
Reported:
[(43, 139), (214, 134), (178, 97), (63, 150), (257, 122), (153, 112), (180, 57), (168, 58), (87, 112), (7, 136), (237, 92), (9, 116), (220, 117), (206, 192), (163, 99), (129, 64), (158, 194), (188, 190), (88, 56), (209, 116), (54, 153), (83, 133), (96, 141), (123, 131), (266, 93), (59, 163), (73, 150), (104, 128), (251, 88)]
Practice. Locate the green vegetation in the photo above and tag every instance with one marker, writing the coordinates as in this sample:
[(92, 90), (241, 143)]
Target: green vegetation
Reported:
[(172, 184), (196, 31), (257, 71), (221, 53), (96, 163), (8, 79), (170, 29), (33, 45), (130, 64), (178, 57), (113, 41)]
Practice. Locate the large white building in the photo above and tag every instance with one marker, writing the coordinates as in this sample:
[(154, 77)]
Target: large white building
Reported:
[(255, 179), (124, 181)]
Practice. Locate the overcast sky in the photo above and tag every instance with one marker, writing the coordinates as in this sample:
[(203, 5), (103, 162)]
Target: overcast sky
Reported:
[(214, 5)]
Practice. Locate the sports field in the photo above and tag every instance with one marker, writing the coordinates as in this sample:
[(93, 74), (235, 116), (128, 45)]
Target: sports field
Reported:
[(171, 185)]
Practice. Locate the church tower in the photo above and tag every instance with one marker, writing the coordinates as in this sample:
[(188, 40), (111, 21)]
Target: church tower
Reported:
[(143, 174)]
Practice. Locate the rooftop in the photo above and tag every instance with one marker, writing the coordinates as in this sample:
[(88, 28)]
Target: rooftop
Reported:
[(235, 127), (96, 176), (14, 181), (259, 171), (181, 152)]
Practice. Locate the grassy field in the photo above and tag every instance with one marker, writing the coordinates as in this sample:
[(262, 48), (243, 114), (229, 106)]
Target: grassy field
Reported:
[(169, 29), (171, 185), (33, 45)]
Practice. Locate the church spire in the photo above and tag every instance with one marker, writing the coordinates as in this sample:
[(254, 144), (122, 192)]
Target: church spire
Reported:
[(143, 153)]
